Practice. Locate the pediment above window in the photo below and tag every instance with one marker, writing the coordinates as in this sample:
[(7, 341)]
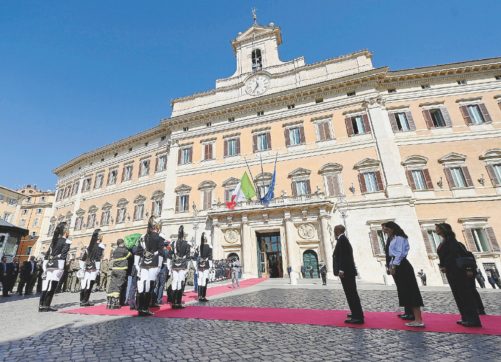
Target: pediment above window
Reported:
[(106, 206), (80, 212), (140, 199), (415, 160), (299, 172), (452, 157), (122, 203), (207, 185), (157, 195), (53, 219), (366, 163), (69, 214), (232, 181), (182, 188), (330, 168), (493, 154), (92, 209)]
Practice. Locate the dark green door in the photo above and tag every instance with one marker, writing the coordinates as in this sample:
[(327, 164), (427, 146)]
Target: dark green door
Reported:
[(310, 263)]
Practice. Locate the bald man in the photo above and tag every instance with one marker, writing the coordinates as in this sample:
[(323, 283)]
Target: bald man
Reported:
[(344, 267)]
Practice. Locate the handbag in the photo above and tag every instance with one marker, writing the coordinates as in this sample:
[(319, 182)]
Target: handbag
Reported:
[(466, 262)]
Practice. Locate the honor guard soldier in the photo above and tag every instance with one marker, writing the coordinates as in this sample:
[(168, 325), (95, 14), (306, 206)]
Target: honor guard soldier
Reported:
[(204, 266), (53, 266), (148, 260), (179, 267), (90, 265)]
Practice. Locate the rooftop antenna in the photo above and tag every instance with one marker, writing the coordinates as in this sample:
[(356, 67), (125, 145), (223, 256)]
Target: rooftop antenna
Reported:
[(254, 16)]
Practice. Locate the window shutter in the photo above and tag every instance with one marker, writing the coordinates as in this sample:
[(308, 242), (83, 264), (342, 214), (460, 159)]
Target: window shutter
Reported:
[(379, 180), (465, 114), (190, 153), (492, 175), (427, 118), (361, 180), (336, 184), (226, 148), (153, 208), (349, 126), (427, 241), (210, 148), (410, 179), (467, 176), (156, 164), (308, 187), (238, 146), (427, 178), (177, 204), (268, 139), (286, 136), (470, 242), (254, 142), (447, 118), (327, 130), (412, 125), (301, 135), (492, 239), (294, 192), (448, 177), (187, 205), (179, 154), (393, 122), (483, 109), (376, 248), (367, 125), (329, 181)]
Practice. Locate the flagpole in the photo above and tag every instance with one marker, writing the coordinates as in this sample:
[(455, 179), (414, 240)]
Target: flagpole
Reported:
[(252, 177), (262, 173)]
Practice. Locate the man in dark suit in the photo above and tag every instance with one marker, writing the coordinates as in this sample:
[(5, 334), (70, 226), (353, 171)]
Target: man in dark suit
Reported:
[(344, 267), (28, 271), (6, 270)]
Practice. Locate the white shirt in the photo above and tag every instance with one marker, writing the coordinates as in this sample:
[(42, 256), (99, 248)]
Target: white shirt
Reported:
[(399, 248)]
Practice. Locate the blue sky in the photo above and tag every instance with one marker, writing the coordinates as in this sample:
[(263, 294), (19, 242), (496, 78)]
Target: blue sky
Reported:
[(76, 75)]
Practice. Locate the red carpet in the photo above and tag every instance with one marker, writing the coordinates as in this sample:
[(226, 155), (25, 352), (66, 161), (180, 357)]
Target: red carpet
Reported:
[(445, 323), (100, 309)]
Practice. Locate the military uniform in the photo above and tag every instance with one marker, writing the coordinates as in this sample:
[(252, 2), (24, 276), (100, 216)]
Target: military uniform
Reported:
[(90, 264), (180, 258), (203, 267)]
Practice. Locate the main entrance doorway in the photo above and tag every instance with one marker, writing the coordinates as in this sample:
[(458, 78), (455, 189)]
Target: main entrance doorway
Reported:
[(269, 255), (310, 263)]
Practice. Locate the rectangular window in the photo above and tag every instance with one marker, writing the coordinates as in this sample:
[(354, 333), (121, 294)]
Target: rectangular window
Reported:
[(434, 239), (402, 122), (78, 223), (183, 203), (262, 142), (121, 215), (98, 183), (323, 131), (74, 189), (91, 221), (156, 209), (332, 186), (358, 125), (458, 177), (381, 239), (419, 180), (105, 218), (496, 170), (481, 240), (144, 168), (127, 173), (294, 136), (112, 177), (86, 184), (302, 188), (208, 151), (138, 212), (437, 118), (207, 199), (370, 182), (227, 194), (161, 163), (184, 157), (232, 147)]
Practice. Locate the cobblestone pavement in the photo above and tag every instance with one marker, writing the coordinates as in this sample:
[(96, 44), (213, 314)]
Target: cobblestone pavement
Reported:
[(69, 337)]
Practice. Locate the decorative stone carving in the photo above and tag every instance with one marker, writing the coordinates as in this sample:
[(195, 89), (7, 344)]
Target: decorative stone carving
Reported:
[(232, 236), (306, 231)]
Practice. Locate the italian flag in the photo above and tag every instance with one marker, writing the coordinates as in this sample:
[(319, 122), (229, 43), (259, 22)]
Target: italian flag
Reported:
[(243, 192)]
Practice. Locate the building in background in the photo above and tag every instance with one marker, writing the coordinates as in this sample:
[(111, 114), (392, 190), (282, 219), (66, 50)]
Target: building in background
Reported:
[(10, 204), (34, 207), (10, 234), (354, 144)]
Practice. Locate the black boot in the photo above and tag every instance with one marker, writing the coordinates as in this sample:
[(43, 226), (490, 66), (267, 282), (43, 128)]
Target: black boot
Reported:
[(147, 303), (87, 297), (139, 304), (200, 294), (82, 298), (174, 299), (48, 298), (41, 304), (153, 302), (180, 299), (204, 294)]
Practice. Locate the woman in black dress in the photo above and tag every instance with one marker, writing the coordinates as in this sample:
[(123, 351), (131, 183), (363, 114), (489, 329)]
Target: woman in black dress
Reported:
[(459, 279), (403, 272)]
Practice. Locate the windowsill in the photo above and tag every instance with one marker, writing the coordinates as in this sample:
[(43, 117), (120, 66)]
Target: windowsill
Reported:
[(259, 151), (441, 130), (332, 140), (486, 254), (185, 164), (232, 156), (424, 194), (299, 147), (159, 172), (404, 134), (481, 127), (373, 195), (462, 192), (209, 160), (143, 176)]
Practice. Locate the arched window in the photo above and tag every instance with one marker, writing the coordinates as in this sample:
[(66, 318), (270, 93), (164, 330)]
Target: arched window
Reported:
[(257, 60)]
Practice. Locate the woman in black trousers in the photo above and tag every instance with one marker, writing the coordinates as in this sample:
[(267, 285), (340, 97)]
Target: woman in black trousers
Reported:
[(403, 272), (459, 280)]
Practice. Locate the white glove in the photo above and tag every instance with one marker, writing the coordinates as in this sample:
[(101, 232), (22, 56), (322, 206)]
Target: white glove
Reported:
[(98, 266), (169, 265), (81, 264), (44, 265), (160, 261), (137, 258)]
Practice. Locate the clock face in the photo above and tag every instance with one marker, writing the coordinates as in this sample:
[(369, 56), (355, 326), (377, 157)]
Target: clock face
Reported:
[(257, 85)]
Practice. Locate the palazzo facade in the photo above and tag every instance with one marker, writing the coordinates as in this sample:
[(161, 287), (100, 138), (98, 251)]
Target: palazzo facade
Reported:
[(353, 144)]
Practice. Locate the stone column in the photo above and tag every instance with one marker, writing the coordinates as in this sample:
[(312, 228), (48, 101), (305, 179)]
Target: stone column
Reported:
[(394, 173), (326, 243), (293, 251), (169, 202), (217, 249), (249, 249)]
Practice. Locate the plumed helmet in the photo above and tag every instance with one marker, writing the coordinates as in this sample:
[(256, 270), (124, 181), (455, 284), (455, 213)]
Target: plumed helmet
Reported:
[(59, 230)]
